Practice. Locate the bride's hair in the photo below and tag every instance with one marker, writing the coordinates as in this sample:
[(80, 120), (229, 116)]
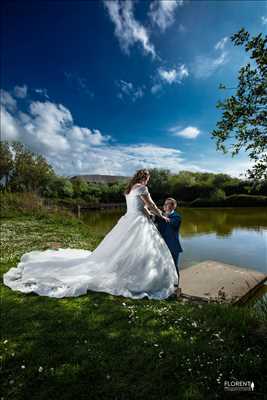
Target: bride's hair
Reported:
[(139, 176)]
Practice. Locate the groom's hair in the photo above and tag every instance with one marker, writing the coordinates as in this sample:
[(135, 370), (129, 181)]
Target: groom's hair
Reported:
[(173, 201)]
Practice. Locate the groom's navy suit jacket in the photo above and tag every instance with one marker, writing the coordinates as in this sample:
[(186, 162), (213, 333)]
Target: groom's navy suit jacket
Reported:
[(170, 233)]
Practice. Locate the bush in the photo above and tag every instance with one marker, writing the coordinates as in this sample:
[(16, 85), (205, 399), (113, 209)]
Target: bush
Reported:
[(16, 204), (19, 203), (218, 194)]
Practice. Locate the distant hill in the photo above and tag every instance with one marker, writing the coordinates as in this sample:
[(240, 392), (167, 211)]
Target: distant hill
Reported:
[(100, 178)]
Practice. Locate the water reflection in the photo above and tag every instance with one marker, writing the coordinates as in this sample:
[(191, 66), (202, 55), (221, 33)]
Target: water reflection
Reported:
[(232, 235)]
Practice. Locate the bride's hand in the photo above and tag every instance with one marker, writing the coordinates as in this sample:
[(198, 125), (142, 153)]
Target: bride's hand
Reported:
[(166, 219)]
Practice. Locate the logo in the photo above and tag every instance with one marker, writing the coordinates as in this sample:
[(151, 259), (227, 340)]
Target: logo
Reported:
[(239, 386)]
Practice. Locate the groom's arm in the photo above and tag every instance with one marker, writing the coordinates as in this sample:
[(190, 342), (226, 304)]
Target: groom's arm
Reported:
[(175, 221), (159, 220)]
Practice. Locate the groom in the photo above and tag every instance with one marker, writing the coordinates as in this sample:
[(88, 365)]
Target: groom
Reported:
[(170, 231)]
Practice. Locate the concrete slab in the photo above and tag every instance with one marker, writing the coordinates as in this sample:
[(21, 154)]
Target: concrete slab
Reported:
[(213, 281)]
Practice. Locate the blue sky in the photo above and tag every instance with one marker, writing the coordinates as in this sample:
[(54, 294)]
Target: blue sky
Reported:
[(112, 86)]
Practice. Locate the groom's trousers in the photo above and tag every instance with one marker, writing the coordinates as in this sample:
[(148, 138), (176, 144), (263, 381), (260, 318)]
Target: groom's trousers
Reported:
[(176, 262)]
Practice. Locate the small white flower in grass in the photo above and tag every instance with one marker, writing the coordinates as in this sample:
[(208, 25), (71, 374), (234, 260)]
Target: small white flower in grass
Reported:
[(5, 341), (156, 345), (189, 369), (124, 304), (194, 324), (108, 376), (23, 367), (40, 369), (13, 354)]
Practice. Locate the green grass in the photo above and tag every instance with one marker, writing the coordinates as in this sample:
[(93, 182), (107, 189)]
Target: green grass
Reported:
[(100, 346)]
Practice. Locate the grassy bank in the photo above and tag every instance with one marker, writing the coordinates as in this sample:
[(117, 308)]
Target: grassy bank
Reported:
[(99, 346)]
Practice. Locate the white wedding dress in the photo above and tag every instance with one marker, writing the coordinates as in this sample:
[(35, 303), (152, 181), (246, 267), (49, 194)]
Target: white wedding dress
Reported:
[(132, 260)]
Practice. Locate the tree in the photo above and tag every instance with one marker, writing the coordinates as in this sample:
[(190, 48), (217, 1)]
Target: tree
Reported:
[(159, 182), (6, 162), (31, 171), (57, 187), (244, 116), (80, 187)]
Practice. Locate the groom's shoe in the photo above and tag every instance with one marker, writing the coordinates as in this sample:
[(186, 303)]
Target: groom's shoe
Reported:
[(178, 291)]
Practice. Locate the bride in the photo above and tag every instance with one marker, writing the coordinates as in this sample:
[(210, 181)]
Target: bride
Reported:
[(132, 260)]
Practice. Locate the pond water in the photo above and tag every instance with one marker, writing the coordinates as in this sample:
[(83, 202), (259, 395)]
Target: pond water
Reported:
[(235, 236), (231, 235)]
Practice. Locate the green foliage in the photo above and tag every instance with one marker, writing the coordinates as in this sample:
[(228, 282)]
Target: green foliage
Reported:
[(244, 117), (24, 171), (218, 194), (57, 187), (159, 182), (6, 162), (19, 203)]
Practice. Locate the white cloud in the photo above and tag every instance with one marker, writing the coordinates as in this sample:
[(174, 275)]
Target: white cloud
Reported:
[(204, 66), (168, 75), (217, 162), (173, 75), (127, 29), (49, 129), (7, 100), (127, 89), (162, 12), (9, 128), (20, 91), (221, 44), (190, 132), (264, 20)]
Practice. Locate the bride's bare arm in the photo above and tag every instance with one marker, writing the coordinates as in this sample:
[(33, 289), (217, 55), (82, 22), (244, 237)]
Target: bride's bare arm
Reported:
[(147, 212), (149, 203)]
